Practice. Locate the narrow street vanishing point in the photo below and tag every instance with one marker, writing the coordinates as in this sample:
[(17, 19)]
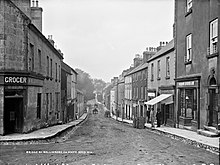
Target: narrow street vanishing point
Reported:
[(100, 140)]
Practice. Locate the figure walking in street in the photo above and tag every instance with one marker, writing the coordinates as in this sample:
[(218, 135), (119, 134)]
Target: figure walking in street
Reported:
[(152, 117), (158, 117), (148, 115)]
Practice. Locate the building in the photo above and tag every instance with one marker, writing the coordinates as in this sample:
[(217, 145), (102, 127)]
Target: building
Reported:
[(161, 84), (68, 93), (80, 104), (73, 104), (128, 95), (114, 96), (30, 70), (197, 57), (139, 83)]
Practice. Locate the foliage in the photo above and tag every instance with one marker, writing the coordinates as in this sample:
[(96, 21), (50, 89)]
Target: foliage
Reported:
[(85, 84)]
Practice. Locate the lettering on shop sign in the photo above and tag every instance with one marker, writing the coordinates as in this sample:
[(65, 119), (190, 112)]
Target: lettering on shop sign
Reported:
[(15, 80), (187, 83)]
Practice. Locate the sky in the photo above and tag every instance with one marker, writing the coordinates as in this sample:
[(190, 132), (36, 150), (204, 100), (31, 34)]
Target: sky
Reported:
[(101, 37)]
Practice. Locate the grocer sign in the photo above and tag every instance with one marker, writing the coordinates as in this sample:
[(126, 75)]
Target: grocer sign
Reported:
[(15, 80)]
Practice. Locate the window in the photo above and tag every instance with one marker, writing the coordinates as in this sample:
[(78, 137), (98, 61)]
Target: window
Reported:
[(31, 59), (168, 67), (51, 68), (47, 105), (158, 69), (57, 103), (59, 72), (145, 93), (213, 36), (142, 92), (56, 71), (188, 103), (39, 105), (152, 72), (39, 59), (51, 102), (48, 66), (188, 5), (188, 56)]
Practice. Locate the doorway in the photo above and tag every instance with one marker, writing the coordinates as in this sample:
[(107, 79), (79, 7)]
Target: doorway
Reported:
[(13, 114), (213, 113)]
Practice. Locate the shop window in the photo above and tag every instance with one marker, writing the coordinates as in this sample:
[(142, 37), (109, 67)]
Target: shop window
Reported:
[(188, 103)]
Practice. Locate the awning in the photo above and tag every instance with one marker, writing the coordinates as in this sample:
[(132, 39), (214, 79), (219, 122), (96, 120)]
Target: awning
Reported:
[(158, 99)]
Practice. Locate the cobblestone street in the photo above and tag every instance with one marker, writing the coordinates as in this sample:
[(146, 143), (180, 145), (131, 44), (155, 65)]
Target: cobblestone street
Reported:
[(101, 140)]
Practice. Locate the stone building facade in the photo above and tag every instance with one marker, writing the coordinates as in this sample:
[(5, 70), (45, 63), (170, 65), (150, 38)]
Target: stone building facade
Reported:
[(161, 84), (30, 71), (197, 36)]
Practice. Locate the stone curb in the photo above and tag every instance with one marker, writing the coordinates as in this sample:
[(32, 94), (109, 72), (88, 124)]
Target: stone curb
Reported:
[(49, 137), (187, 141), (180, 138)]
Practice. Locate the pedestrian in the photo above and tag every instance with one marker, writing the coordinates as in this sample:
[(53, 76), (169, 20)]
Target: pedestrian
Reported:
[(152, 117), (148, 114), (158, 117)]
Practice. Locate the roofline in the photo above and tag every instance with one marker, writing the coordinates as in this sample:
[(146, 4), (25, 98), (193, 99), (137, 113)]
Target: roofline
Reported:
[(34, 29)]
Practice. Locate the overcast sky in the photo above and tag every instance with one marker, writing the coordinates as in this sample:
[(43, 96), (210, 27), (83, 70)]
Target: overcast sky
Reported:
[(101, 37)]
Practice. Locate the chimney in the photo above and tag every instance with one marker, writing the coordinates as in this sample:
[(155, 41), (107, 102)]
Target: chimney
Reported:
[(24, 6), (137, 60), (50, 39), (148, 53), (36, 15)]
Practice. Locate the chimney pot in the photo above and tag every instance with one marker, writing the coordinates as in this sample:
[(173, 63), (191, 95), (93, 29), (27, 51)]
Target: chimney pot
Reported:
[(33, 3), (36, 3)]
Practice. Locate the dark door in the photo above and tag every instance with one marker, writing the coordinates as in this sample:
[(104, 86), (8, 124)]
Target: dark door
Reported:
[(13, 118), (163, 112), (213, 116)]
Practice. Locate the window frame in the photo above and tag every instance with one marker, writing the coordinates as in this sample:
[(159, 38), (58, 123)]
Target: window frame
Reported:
[(213, 38), (188, 54), (152, 71), (168, 67), (158, 70)]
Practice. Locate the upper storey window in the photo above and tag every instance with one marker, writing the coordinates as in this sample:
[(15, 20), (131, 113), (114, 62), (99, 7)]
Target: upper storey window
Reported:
[(188, 56), (188, 5), (213, 36)]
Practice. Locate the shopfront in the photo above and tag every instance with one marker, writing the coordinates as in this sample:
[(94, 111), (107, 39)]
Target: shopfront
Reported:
[(167, 106), (188, 103), (14, 87)]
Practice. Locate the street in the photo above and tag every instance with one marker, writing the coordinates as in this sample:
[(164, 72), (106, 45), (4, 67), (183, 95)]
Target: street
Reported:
[(101, 140)]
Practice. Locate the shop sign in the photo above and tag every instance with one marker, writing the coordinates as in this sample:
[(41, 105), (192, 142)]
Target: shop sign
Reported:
[(188, 83), (15, 80), (150, 94)]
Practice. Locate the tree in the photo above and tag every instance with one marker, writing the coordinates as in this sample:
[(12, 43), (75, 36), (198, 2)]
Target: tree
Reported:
[(99, 84), (85, 84)]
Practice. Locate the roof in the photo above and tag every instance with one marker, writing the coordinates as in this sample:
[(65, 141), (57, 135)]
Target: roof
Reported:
[(163, 50), (138, 68), (66, 67)]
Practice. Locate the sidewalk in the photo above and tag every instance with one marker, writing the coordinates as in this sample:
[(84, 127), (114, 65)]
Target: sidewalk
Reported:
[(42, 134), (186, 136)]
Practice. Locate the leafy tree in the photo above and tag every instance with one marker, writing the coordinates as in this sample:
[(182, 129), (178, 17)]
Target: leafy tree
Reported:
[(99, 84), (85, 84)]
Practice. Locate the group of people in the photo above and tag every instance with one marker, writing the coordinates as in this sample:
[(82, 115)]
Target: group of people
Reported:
[(151, 116)]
